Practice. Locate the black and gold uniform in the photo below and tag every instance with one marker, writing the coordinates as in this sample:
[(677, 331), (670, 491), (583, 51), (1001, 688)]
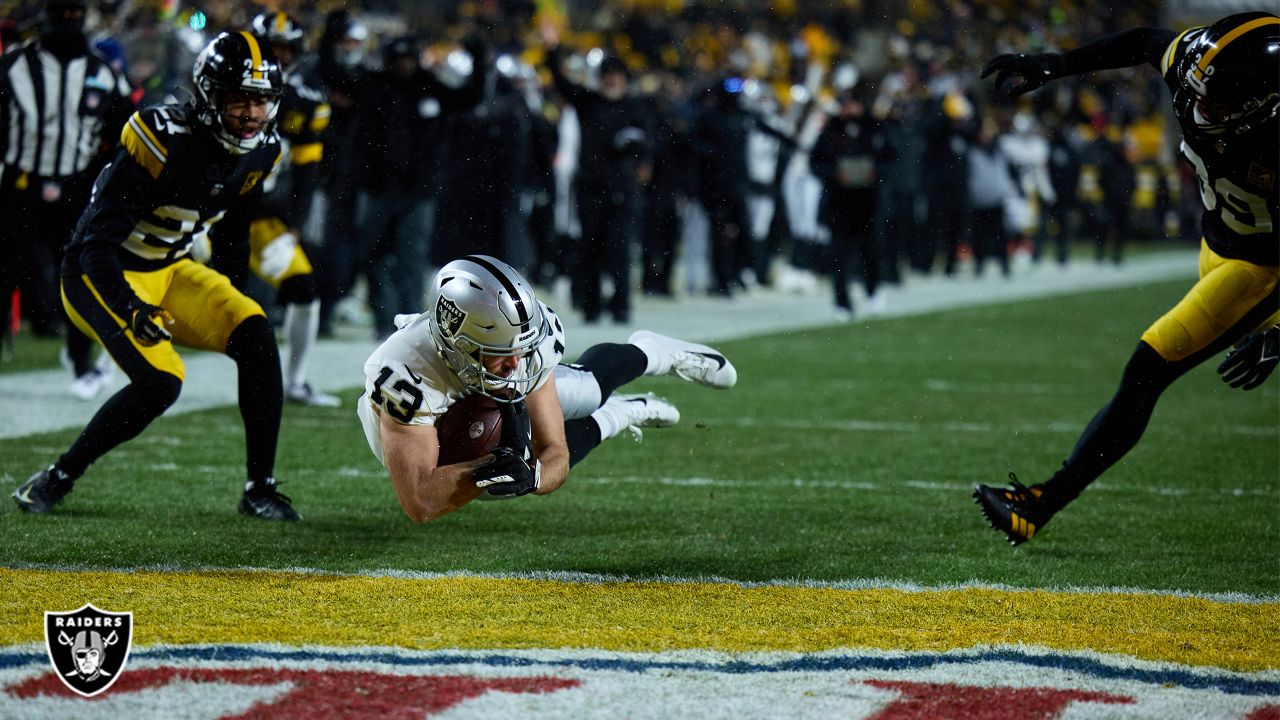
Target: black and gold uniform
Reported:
[(180, 176), (169, 187), (1225, 80)]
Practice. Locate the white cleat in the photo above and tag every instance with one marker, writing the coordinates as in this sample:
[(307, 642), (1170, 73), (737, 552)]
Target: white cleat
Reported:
[(690, 361), (641, 411), (304, 394), (646, 410)]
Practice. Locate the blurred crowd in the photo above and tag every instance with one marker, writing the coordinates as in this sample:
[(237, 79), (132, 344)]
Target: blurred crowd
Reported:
[(674, 146)]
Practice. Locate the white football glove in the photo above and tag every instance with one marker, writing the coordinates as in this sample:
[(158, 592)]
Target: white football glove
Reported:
[(201, 249), (277, 256)]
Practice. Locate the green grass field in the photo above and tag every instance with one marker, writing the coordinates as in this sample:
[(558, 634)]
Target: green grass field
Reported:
[(844, 453)]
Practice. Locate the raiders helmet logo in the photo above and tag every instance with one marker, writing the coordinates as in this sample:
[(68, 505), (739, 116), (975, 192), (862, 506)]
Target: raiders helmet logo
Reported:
[(449, 317), (88, 647)]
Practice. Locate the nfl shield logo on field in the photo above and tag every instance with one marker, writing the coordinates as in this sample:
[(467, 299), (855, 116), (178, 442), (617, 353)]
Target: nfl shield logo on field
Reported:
[(88, 647)]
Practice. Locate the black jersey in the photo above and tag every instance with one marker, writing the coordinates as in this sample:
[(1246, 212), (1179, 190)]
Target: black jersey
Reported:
[(169, 182), (304, 116), (1237, 175)]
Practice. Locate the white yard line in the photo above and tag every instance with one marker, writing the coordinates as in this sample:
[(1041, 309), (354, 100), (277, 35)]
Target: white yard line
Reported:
[(38, 401), (582, 577)]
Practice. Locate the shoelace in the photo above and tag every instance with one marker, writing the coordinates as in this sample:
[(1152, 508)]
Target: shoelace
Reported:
[(1018, 491)]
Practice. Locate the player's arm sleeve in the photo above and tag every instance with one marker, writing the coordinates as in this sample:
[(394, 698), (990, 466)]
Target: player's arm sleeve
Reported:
[(231, 240), (305, 180), (230, 235), (111, 216), (1124, 49)]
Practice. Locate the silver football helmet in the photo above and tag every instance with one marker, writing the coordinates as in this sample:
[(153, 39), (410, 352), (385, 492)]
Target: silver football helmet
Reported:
[(482, 309)]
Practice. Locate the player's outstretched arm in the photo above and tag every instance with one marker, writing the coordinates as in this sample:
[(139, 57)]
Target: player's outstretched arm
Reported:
[(425, 491), (549, 444), (1125, 49)]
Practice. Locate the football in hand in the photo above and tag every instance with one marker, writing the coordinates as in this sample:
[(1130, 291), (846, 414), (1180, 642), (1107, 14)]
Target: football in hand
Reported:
[(469, 429)]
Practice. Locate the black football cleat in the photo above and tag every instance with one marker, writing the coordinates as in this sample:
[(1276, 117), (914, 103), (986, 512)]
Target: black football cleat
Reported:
[(1017, 511), (263, 500), (43, 490)]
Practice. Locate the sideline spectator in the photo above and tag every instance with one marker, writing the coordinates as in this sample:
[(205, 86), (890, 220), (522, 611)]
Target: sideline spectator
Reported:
[(50, 156)]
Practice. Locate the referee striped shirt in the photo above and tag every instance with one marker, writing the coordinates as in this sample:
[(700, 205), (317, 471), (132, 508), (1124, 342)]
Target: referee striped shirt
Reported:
[(53, 113)]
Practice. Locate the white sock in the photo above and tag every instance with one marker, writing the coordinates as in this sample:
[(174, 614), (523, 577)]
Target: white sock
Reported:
[(301, 325), (657, 358), (611, 421)]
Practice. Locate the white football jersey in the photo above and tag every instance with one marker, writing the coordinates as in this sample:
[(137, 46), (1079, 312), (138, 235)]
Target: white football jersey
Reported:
[(407, 378)]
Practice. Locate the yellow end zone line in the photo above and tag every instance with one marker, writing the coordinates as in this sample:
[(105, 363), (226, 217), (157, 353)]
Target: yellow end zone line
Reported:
[(503, 613)]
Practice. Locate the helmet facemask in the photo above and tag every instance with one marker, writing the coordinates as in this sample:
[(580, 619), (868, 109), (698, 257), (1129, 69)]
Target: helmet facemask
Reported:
[(225, 73)]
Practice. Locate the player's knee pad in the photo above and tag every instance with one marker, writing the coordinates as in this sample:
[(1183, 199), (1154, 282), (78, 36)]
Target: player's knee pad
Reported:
[(297, 290)]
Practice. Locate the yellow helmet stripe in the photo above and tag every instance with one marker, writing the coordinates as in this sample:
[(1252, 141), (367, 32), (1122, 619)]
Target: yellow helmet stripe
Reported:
[(1226, 39), (255, 52), (1169, 51), (280, 21)]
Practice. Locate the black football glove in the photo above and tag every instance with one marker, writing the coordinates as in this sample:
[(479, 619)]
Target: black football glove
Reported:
[(1035, 71), (1251, 362), (507, 475), (516, 428), (145, 330)]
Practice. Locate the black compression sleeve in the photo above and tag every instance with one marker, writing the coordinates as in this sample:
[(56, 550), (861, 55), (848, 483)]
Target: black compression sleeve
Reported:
[(1124, 49), (101, 263)]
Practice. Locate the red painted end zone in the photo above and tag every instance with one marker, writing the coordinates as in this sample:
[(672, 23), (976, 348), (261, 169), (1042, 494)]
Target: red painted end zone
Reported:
[(936, 700), (320, 695)]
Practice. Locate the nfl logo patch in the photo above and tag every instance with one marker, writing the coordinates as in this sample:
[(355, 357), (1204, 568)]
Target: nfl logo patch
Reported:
[(88, 647)]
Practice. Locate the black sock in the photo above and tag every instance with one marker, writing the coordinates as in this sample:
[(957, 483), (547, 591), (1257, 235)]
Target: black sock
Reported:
[(121, 418), (613, 365), (1117, 427), (583, 435), (253, 346)]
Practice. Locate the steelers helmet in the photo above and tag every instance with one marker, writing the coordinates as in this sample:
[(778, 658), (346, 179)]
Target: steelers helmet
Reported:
[(278, 29), (1229, 73), (482, 308), (235, 62)]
